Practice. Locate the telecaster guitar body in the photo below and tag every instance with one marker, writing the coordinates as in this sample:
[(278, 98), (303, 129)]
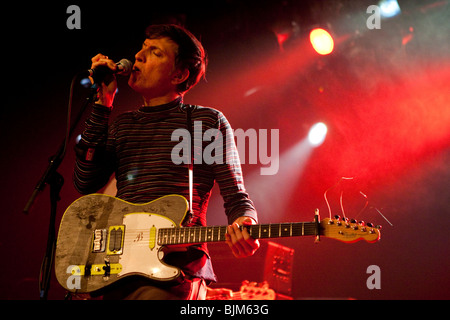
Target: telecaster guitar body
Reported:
[(102, 239)]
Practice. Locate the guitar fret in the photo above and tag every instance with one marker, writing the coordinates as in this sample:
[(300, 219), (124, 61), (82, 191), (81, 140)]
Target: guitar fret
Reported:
[(285, 229), (199, 234), (274, 231), (223, 233)]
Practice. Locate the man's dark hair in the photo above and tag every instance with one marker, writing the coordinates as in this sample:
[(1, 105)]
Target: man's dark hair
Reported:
[(190, 55)]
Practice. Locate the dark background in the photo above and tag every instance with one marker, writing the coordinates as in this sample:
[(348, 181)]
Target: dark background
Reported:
[(383, 94)]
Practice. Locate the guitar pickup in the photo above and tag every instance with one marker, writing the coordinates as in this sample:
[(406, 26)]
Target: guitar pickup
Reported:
[(115, 240), (108, 240)]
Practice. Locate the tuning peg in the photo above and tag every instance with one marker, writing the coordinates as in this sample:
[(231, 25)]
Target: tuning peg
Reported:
[(353, 221), (337, 217), (378, 227), (347, 225), (369, 224), (363, 225)]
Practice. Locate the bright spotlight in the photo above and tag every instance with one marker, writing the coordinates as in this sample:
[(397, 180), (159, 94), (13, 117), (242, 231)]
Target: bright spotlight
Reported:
[(317, 134), (389, 8), (321, 41)]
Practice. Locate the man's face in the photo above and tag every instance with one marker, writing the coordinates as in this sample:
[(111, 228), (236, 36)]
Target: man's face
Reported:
[(154, 69)]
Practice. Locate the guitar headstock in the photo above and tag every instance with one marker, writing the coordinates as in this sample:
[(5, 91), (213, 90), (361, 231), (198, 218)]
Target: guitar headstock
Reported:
[(347, 230)]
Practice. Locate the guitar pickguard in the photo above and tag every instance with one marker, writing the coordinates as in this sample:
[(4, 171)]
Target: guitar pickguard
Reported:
[(141, 251)]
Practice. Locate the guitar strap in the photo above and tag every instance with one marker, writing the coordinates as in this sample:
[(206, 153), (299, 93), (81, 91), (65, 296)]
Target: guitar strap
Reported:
[(191, 160)]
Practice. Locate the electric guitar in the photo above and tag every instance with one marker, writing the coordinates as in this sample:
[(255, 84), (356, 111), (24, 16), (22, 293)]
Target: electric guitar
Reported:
[(103, 239)]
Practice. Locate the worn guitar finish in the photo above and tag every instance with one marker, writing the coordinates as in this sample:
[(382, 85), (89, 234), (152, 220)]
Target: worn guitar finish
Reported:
[(103, 239)]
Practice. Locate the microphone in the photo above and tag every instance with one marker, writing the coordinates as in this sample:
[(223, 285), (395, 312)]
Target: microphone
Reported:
[(103, 73)]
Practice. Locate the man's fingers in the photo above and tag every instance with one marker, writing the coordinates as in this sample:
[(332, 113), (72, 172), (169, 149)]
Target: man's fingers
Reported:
[(252, 243), (233, 242), (102, 60), (240, 242)]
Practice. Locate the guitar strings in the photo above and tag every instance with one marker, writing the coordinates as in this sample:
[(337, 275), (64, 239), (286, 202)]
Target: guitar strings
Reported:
[(181, 235), (342, 205), (332, 187)]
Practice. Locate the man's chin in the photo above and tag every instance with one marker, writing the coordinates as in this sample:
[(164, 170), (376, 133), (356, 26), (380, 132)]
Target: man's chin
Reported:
[(132, 83)]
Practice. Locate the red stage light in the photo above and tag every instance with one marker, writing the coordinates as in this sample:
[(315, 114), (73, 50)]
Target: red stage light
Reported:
[(321, 41)]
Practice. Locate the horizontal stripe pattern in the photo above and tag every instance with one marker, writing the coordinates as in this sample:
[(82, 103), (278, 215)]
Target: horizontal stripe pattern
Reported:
[(137, 147)]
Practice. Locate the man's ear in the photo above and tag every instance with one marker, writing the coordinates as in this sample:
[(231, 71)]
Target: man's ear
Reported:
[(180, 76)]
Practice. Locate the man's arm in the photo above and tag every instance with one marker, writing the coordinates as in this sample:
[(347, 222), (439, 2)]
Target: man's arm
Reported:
[(94, 165), (238, 206)]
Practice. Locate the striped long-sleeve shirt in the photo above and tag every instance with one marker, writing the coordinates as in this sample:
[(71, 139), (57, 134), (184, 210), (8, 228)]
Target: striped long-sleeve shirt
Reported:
[(138, 147)]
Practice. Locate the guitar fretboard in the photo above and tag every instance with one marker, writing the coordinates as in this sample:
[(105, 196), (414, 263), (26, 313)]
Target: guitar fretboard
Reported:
[(187, 235)]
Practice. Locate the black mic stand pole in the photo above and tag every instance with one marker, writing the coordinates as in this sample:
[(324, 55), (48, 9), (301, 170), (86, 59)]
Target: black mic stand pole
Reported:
[(53, 178)]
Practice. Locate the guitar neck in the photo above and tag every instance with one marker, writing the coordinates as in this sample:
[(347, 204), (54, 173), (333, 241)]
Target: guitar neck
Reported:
[(167, 236)]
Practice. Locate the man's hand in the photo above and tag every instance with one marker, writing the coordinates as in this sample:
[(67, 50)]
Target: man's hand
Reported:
[(240, 242), (106, 93)]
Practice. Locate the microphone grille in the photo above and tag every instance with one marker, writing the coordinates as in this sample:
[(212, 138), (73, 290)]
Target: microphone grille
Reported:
[(126, 66)]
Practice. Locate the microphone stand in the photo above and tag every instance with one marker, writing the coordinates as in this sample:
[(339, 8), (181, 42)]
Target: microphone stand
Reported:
[(56, 181)]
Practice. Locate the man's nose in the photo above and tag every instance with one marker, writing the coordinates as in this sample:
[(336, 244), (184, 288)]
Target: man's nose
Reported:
[(140, 56)]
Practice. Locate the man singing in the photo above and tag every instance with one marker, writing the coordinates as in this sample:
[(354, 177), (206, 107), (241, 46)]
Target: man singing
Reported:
[(137, 147)]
